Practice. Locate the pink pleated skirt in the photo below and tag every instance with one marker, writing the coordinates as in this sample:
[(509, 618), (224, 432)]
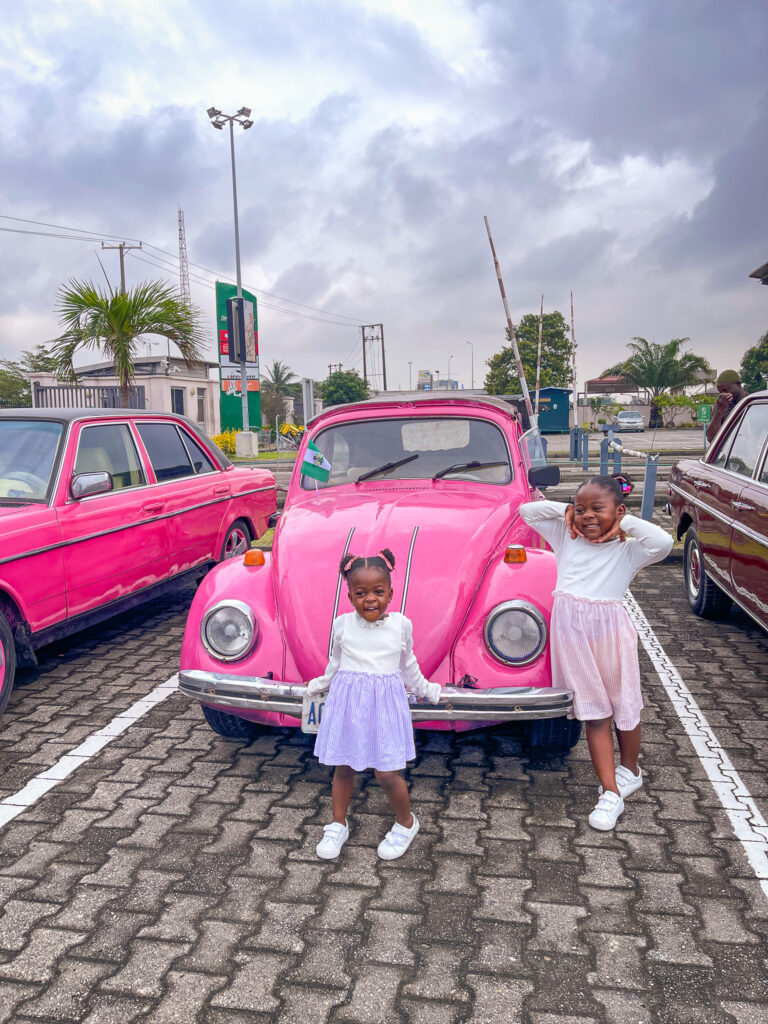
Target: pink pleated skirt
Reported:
[(594, 653)]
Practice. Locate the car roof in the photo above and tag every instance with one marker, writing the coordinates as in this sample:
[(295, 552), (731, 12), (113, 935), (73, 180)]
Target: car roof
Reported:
[(424, 398)]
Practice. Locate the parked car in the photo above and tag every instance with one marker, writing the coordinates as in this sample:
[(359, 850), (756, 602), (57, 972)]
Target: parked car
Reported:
[(628, 420), (102, 509), (720, 504), (439, 480)]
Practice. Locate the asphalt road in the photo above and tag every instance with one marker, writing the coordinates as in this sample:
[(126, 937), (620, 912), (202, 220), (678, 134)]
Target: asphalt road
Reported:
[(170, 876)]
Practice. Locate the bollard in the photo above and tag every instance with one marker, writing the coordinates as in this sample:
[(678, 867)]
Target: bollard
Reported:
[(649, 487), (575, 446), (605, 450), (584, 450), (544, 445)]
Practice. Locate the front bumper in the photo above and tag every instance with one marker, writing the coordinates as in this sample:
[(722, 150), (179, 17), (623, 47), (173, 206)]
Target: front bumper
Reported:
[(502, 704)]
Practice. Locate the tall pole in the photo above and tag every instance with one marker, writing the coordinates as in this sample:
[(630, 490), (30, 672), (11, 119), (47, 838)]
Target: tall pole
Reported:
[(538, 356), (383, 357), (243, 373), (573, 369), (121, 247), (472, 364), (410, 376), (365, 364), (513, 337)]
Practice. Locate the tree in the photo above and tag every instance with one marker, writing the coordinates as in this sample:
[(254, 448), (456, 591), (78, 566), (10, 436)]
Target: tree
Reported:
[(656, 369), (343, 386), (556, 352), (277, 383), (754, 366), (113, 324), (15, 389)]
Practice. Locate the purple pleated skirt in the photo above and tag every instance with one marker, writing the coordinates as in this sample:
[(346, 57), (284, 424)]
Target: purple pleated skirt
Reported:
[(366, 723)]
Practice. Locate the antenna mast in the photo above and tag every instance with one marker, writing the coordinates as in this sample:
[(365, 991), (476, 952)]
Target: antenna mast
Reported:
[(183, 265)]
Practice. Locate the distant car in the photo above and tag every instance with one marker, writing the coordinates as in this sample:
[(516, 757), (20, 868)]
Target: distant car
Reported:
[(627, 420), (439, 480), (720, 504), (103, 509)]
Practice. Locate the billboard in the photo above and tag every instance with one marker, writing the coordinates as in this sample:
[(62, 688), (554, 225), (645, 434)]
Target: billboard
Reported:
[(230, 402)]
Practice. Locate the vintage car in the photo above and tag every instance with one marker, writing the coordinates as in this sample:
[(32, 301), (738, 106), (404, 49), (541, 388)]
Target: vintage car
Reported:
[(102, 509), (720, 504), (439, 480)]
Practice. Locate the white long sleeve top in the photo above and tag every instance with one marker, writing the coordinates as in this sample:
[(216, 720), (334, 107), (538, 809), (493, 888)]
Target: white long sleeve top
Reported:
[(380, 648), (596, 571)]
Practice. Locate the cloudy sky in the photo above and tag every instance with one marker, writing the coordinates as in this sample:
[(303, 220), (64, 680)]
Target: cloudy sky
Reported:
[(618, 148)]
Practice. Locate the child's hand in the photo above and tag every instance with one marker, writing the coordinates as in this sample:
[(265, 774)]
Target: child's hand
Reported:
[(614, 532), (569, 523)]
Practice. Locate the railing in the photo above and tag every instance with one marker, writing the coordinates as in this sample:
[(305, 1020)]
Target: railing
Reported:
[(82, 396)]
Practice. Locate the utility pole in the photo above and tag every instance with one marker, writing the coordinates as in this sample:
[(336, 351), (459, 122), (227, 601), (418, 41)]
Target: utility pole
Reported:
[(375, 334), (331, 368), (183, 264), (410, 381), (122, 247)]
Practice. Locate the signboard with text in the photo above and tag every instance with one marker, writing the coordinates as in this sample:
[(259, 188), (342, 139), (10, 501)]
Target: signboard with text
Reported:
[(229, 369)]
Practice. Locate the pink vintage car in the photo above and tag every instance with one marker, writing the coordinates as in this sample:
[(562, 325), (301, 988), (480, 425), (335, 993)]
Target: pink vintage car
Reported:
[(102, 509), (439, 480)]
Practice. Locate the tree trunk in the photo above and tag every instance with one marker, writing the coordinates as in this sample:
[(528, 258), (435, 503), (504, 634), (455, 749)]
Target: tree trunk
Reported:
[(654, 420), (125, 396)]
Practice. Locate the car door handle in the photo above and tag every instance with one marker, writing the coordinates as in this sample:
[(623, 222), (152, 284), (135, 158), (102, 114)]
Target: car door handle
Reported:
[(153, 508), (218, 491), (700, 483), (743, 505)]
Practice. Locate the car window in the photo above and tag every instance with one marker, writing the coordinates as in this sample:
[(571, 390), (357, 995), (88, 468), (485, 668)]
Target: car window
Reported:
[(170, 459), (748, 443), (201, 460), (27, 456), (109, 448), (424, 446)]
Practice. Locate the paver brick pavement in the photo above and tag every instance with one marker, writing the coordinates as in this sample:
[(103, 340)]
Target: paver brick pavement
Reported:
[(173, 878)]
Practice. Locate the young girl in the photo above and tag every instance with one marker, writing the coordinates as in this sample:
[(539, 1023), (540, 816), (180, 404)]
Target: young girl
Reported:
[(599, 549), (367, 720)]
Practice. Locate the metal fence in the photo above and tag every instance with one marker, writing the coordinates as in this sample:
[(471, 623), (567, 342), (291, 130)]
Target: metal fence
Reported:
[(81, 396)]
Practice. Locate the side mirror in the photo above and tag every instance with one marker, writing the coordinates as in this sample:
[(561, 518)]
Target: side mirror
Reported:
[(544, 476), (272, 521), (86, 484)]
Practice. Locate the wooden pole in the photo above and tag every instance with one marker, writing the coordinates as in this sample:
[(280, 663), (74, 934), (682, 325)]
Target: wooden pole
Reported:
[(513, 338), (573, 369), (538, 357)]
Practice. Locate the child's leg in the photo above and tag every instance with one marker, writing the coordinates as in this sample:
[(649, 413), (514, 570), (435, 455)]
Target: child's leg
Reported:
[(395, 787), (629, 747), (600, 742), (341, 792)]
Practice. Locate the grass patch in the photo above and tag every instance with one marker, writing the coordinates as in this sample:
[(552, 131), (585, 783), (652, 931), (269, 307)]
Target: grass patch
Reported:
[(265, 541)]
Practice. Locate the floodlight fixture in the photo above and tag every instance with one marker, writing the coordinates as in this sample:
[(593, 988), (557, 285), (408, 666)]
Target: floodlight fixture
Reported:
[(246, 125), (213, 112), (245, 111)]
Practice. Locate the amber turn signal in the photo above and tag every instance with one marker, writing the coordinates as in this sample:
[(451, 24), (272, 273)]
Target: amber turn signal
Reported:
[(515, 554), (254, 557)]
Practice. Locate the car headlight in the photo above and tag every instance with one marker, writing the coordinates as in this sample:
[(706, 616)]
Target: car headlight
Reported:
[(229, 630), (515, 632)]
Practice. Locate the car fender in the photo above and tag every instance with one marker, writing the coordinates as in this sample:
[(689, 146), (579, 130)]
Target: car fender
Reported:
[(254, 508)]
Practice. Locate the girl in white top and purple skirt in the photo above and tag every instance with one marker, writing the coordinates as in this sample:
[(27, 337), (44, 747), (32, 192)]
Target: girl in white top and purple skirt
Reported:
[(593, 646), (367, 719)]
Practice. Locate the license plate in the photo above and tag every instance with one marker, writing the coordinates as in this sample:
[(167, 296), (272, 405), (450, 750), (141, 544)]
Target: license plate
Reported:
[(312, 712)]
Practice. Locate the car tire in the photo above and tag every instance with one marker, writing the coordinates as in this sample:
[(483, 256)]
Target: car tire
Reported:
[(705, 597), (7, 662), (553, 735), (237, 540), (231, 727)]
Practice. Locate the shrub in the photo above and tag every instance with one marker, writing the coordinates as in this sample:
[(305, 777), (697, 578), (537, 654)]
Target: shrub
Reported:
[(226, 441)]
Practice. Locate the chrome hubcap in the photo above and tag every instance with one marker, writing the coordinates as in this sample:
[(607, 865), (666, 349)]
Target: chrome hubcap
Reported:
[(694, 570), (236, 544)]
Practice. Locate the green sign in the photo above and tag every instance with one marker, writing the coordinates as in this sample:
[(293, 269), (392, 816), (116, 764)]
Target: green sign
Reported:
[(231, 403), (703, 413)]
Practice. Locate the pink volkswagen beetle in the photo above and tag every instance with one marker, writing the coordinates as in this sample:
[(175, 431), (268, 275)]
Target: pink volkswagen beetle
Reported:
[(439, 480)]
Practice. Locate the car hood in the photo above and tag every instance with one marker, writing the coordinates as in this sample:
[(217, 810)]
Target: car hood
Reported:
[(442, 540)]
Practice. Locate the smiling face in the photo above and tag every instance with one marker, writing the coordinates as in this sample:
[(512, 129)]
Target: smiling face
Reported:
[(595, 511), (370, 591)]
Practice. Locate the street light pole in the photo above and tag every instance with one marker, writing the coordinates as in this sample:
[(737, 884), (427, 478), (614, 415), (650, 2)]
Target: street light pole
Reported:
[(472, 363), (218, 120), (449, 366), (410, 364)]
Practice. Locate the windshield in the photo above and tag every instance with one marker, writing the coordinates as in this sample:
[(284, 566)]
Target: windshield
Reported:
[(413, 448), (27, 456)]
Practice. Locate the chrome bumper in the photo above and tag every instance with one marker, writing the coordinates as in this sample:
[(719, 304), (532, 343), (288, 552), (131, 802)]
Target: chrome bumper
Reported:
[(503, 704)]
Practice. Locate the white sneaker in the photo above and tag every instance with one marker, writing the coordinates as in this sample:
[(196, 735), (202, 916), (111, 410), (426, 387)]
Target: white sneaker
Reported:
[(626, 782), (397, 840), (606, 812), (334, 837)]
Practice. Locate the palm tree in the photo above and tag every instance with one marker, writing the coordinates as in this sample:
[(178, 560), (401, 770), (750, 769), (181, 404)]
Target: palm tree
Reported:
[(659, 368), (278, 382), (113, 324)]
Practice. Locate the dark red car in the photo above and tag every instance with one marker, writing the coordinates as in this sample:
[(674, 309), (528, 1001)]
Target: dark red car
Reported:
[(720, 504)]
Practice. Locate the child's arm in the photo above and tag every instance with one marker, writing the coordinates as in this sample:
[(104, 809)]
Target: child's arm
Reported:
[(548, 519), (410, 671), (322, 683), (650, 543)]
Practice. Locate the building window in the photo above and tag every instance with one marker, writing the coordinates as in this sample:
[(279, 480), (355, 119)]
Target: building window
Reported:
[(201, 406), (177, 401)]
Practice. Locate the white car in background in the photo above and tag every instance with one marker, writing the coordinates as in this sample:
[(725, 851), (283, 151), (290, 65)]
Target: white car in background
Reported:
[(627, 420)]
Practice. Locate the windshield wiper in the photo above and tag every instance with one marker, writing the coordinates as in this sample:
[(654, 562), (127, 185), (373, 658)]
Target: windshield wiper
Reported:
[(465, 465), (386, 466)]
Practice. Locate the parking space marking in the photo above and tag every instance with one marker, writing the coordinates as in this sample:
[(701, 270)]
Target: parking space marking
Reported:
[(748, 824), (13, 805)]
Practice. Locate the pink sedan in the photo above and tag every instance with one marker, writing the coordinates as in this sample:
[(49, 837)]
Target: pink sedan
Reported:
[(102, 509), (439, 481)]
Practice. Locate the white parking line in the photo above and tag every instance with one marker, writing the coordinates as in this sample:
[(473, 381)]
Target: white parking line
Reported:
[(13, 805), (749, 826)]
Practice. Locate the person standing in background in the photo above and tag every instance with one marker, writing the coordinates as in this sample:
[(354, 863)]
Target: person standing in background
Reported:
[(730, 392)]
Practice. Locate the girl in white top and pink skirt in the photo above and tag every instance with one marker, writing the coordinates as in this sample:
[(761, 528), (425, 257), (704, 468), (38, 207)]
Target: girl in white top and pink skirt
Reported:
[(593, 645)]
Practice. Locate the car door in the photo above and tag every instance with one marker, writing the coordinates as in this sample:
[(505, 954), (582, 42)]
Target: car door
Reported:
[(749, 549), (114, 543), (713, 491), (194, 492)]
